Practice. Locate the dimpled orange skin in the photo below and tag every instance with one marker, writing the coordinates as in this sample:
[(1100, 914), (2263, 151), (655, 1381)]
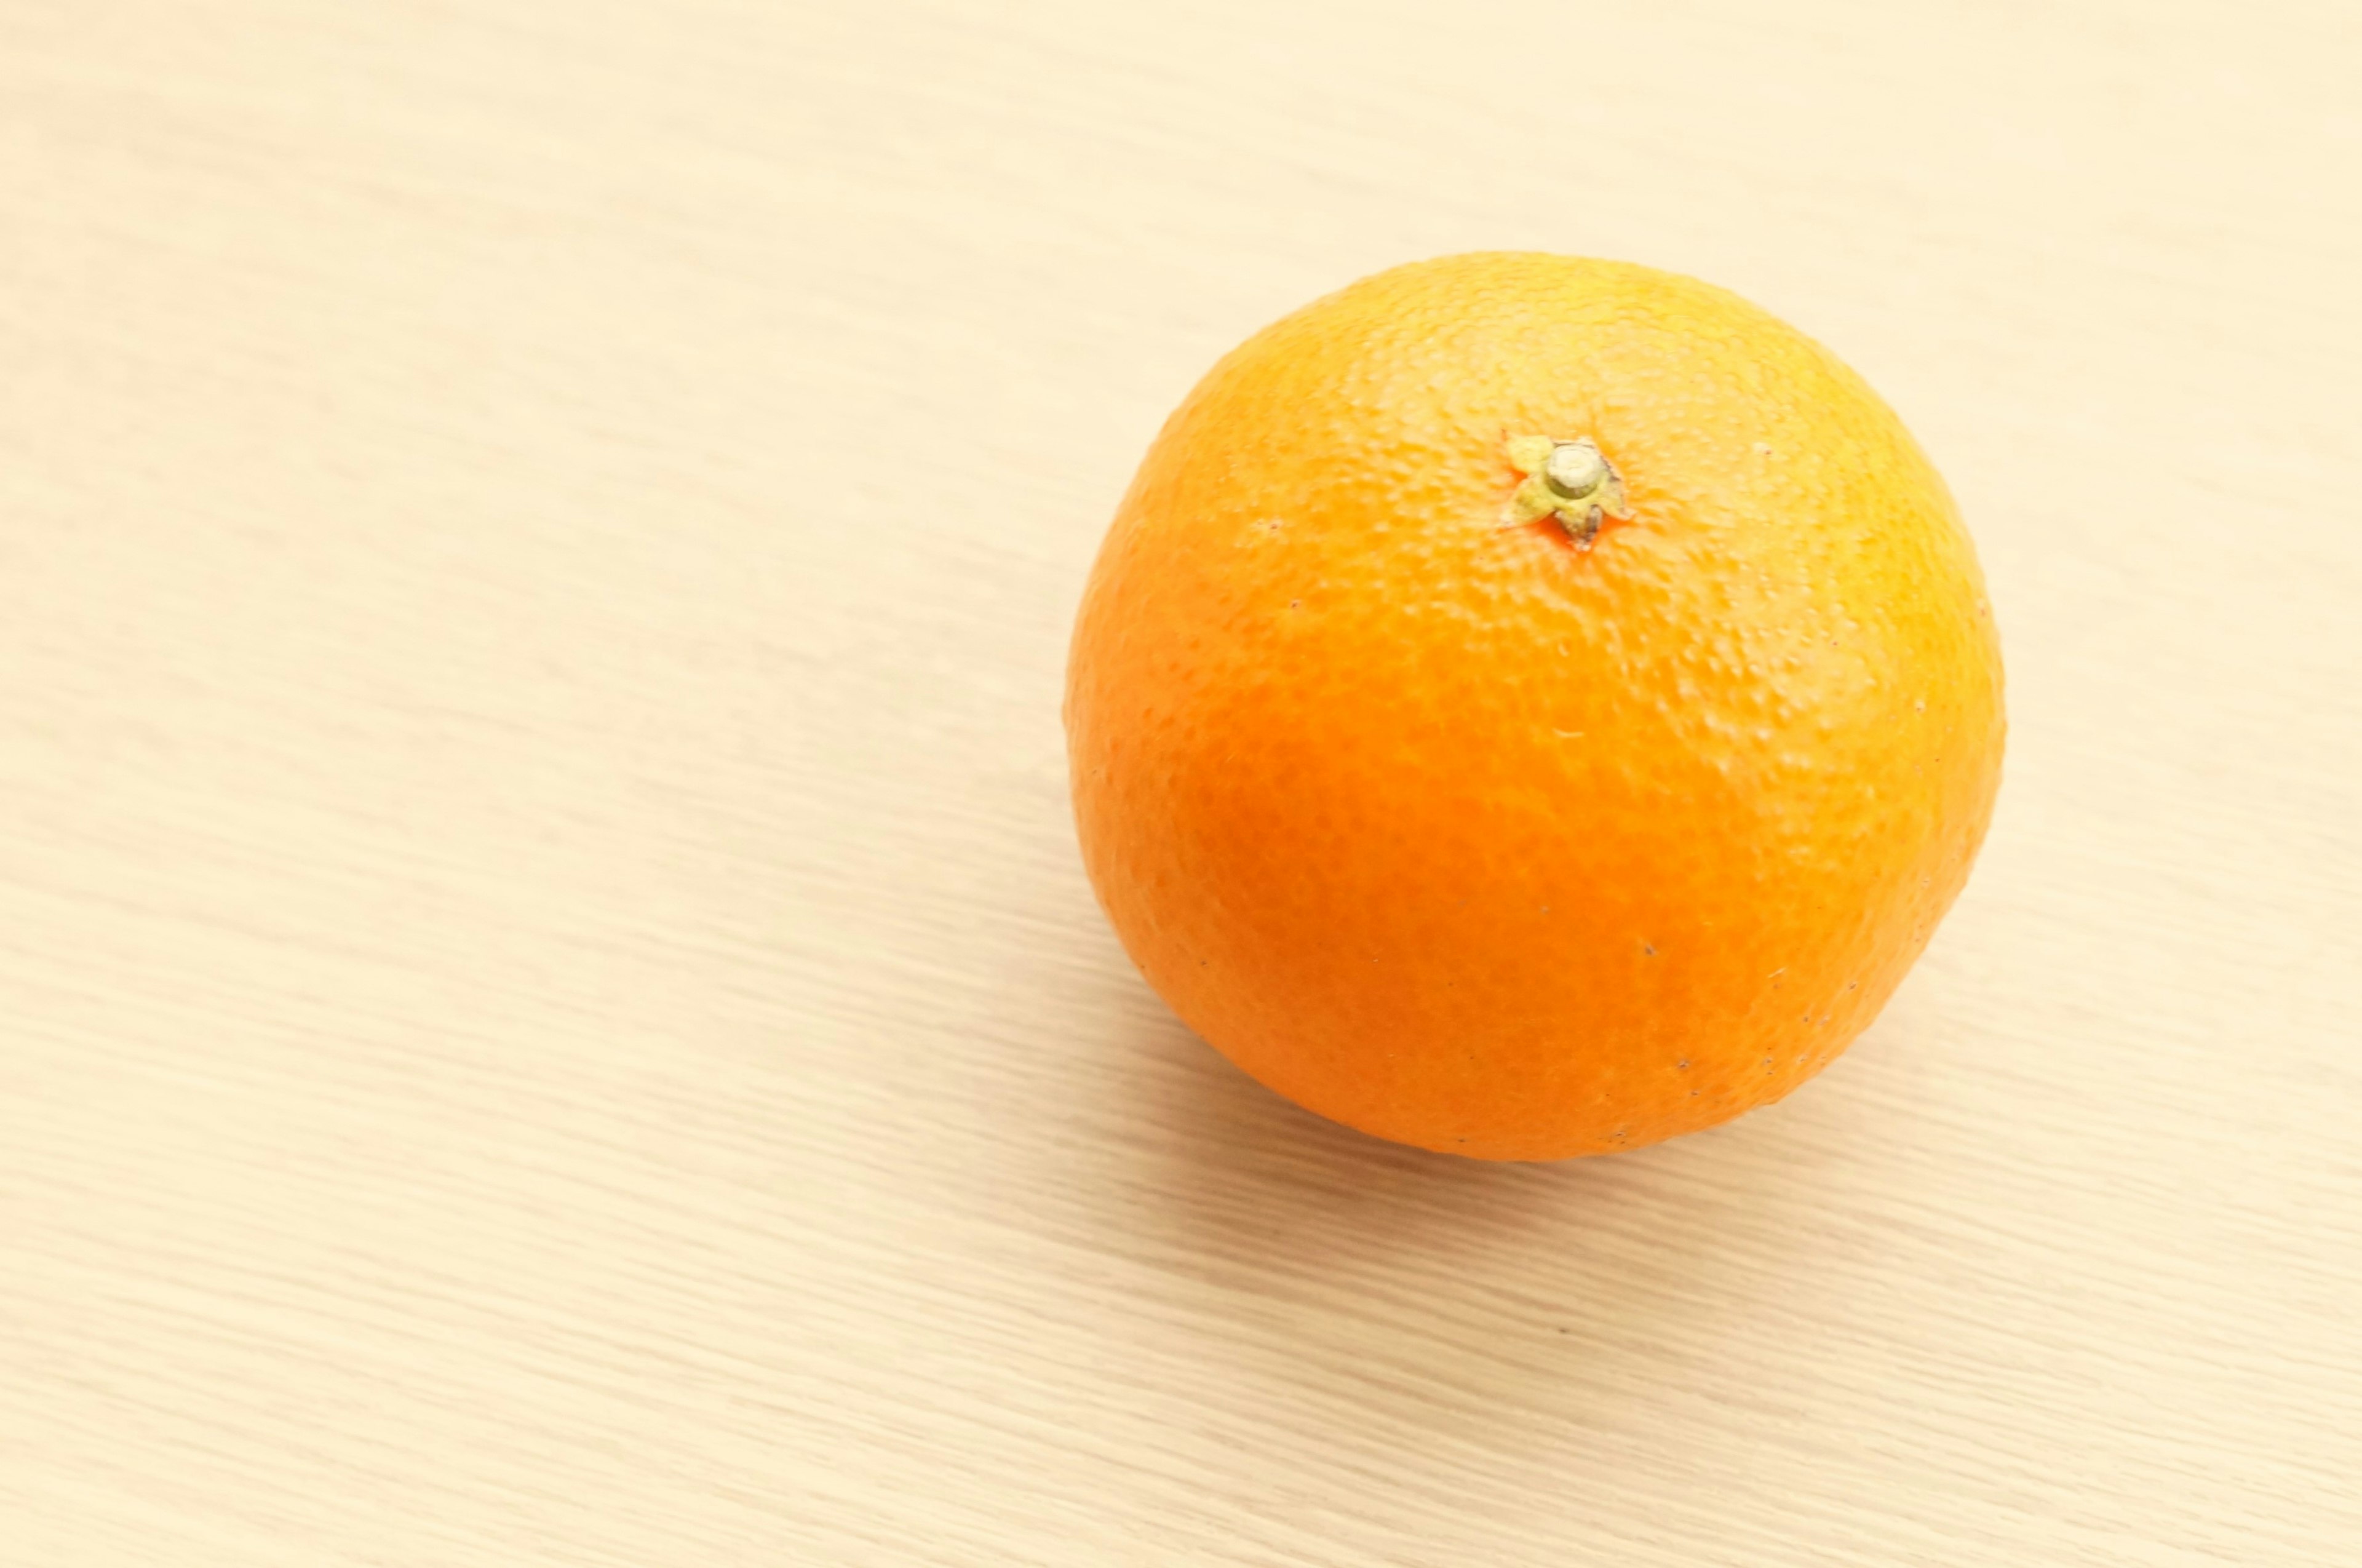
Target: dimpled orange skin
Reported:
[(1469, 838)]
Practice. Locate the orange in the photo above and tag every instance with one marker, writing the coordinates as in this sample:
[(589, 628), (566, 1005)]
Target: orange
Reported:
[(1529, 707)]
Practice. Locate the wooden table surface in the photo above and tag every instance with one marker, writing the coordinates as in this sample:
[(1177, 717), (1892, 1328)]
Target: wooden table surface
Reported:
[(548, 1010)]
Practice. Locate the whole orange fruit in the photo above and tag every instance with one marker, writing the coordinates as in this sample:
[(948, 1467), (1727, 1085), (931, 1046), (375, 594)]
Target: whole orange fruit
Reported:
[(1528, 706)]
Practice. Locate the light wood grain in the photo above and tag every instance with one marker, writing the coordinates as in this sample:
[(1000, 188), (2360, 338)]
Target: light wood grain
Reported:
[(549, 1012)]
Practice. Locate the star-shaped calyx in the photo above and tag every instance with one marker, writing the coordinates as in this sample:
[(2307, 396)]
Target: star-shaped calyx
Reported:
[(1570, 479)]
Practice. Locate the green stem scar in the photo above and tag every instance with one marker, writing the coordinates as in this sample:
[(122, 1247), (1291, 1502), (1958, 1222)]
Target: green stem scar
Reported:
[(1571, 480)]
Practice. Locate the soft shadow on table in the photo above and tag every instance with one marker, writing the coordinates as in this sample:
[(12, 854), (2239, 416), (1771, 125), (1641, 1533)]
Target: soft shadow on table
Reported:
[(1534, 1292)]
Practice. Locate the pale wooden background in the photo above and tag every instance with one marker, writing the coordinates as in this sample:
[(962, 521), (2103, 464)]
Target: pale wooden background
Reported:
[(548, 1013)]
